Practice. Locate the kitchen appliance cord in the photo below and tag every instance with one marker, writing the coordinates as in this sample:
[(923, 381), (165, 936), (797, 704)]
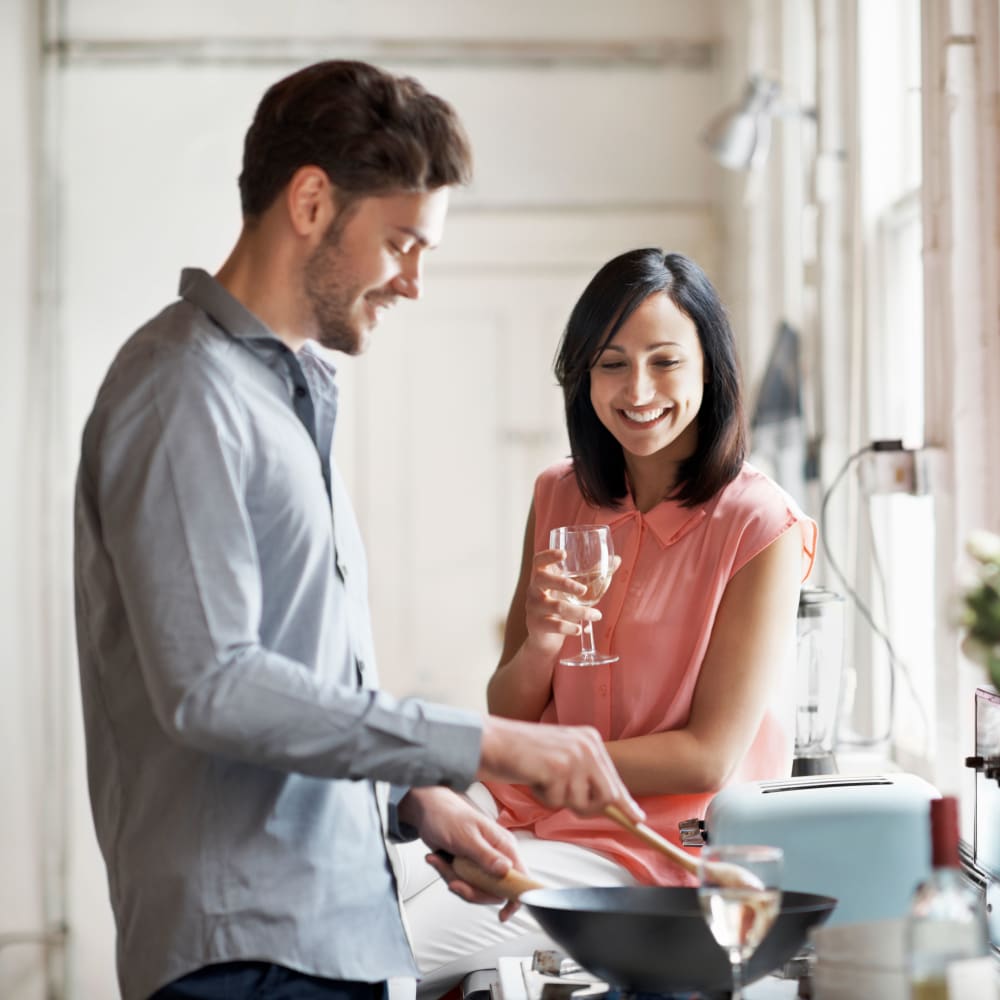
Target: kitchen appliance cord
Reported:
[(895, 663)]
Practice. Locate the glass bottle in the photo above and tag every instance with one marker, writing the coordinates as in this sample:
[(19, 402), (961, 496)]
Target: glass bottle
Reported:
[(947, 918)]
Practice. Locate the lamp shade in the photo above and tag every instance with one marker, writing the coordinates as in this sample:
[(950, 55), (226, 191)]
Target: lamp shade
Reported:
[(739, 137)]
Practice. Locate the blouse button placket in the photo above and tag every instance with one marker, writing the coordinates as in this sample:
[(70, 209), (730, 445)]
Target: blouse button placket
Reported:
[(629, 559)]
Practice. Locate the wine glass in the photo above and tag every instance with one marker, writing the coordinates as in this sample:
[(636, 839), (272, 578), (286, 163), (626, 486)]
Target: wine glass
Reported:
[(740, 911), (589, 559)]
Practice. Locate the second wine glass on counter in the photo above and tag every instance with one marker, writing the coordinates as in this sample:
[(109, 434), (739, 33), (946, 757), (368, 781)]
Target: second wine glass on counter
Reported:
[(740, 915), (590, 560)]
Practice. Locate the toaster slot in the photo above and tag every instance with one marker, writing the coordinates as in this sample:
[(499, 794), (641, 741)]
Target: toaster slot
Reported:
[(822, 781)]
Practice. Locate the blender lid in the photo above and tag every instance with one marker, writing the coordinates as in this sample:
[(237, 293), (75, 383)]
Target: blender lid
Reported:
[(813, 601)]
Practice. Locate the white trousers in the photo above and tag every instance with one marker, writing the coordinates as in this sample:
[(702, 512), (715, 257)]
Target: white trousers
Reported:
[(452, 938)]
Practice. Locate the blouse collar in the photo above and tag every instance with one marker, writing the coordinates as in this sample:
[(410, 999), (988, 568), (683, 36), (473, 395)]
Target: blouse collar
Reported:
[(668, 520)]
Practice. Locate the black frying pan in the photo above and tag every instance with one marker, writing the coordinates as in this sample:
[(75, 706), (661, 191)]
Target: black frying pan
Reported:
[(649, 939)]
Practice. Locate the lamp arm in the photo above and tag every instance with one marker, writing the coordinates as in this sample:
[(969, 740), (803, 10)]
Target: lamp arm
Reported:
[(779, 110)]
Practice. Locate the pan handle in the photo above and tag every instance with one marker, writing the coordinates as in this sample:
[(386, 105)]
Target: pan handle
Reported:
[(509, 887)]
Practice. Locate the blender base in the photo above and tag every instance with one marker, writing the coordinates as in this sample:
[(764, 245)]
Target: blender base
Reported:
[(823, 763)]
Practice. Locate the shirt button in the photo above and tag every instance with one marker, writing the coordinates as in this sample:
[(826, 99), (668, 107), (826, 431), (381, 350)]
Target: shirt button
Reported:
[(604, 689), (300, 391)]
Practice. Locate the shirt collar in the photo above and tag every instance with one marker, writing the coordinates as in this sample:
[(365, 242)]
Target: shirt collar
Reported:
[(202, 290), (199, 288), (668, 520)]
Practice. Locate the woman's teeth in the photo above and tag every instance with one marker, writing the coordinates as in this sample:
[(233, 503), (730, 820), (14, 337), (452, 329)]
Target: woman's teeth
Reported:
[(644, 416)]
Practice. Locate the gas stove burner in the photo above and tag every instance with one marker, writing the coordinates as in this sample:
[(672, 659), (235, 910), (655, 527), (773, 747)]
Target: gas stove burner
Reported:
[(578, 991), (555, 976), (556, 963), (600, 991), (552, 975), (613, 995)]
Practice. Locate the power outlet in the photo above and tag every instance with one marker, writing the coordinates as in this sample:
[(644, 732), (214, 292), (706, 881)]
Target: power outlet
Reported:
[(891, 468)]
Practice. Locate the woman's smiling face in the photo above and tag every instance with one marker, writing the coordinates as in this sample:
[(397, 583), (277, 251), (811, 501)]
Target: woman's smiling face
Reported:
[(647, 385)]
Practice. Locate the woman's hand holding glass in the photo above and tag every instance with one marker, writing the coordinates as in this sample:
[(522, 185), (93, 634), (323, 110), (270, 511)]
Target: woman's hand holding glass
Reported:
[(573, 576), (550, 614)]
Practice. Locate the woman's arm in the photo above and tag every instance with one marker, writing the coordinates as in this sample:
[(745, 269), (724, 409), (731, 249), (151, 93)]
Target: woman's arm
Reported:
[(753, 628), (538, 621)]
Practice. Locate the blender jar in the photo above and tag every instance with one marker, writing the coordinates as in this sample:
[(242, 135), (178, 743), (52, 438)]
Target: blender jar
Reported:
[(819, 668)]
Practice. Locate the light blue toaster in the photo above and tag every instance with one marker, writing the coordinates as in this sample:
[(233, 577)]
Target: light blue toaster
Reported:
[(863, 840)]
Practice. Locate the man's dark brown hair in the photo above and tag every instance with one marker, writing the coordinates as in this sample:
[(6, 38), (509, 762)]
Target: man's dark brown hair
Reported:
[(371, 132)]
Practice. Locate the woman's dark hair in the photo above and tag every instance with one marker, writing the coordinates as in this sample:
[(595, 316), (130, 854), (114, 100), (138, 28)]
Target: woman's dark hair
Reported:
[(372, 132), (614, 293)]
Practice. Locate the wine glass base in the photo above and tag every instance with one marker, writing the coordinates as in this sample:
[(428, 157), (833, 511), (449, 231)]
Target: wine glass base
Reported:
[(589, 659)]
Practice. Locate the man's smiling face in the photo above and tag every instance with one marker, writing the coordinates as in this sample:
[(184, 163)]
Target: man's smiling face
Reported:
[(367, 260)]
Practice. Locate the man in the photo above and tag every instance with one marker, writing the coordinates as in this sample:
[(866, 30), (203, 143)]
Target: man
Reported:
[(234, 731)]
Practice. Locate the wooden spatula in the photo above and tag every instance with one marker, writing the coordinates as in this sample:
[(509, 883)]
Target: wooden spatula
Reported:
[(725, 874)]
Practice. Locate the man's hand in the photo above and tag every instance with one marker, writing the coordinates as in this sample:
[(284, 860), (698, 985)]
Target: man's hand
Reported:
[(447, 822), (565, 766)]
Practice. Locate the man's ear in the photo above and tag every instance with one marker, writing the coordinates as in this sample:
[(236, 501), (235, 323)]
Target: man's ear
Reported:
[(310, 201)]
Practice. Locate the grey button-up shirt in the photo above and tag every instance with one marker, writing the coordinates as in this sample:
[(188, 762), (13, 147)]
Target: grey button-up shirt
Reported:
[(234, 733)]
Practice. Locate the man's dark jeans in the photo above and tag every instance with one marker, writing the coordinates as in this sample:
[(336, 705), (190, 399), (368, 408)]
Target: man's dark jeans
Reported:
[(263, 981)]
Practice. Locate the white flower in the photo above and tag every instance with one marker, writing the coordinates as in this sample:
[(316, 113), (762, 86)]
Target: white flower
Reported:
[(984, 547)]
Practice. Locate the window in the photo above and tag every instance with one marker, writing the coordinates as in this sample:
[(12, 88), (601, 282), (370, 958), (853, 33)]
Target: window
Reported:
[(893, 673)]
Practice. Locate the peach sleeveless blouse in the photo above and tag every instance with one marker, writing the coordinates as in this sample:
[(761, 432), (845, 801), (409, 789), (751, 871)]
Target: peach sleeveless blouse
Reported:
[(658, 617)]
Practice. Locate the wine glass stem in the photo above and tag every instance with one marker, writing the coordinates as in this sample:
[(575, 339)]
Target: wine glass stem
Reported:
[(587, 639), (737, 993)]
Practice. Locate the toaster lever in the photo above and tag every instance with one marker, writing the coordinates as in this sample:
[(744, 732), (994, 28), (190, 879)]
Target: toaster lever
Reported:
[(989, 767), (693, 832)]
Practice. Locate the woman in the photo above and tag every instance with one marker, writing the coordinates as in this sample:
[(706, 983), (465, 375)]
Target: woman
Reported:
[(701, 610)]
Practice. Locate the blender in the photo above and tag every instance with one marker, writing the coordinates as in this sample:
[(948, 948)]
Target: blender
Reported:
[(819, 670)]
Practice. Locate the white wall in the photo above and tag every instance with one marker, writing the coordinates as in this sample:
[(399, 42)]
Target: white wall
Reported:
[(30, 820)]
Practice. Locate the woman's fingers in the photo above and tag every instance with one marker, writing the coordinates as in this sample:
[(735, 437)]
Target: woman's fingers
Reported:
[(547, 574), (563, 619), (549, 608)]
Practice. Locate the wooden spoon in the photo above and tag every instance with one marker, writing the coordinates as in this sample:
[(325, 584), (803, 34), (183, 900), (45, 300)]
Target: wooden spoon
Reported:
[(509, 887), (728, 875)]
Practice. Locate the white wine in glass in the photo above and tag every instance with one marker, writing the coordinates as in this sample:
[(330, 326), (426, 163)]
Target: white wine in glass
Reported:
[(739, 917), (596, 581), (589, 559)]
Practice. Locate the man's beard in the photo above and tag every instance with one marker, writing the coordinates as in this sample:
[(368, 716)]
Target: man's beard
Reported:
[(330, 293)]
